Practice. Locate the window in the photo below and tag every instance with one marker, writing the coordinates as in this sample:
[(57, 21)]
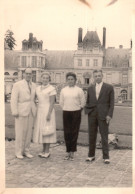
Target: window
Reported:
[(124, 79), (41, 61), (34, 76), (79, 62), (108, 78), (109, 63), (28, 61), (117, 92), (95, 62), (18, 61), (6, 73), (87, 62), (125, 64), (24, 61), (23, 71), (130, 94), (124, 94), (79, 77), (96, 48), (15, 73), (87, 81), (34, 61)]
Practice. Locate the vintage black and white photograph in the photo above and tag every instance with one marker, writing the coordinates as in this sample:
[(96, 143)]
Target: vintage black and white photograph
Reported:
[(68, 93)]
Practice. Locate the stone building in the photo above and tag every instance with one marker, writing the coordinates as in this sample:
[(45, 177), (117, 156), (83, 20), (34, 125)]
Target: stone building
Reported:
[(90, 54), (32, 56), (116, 63)]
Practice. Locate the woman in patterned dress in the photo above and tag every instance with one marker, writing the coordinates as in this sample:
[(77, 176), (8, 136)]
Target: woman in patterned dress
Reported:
[(45, 112)]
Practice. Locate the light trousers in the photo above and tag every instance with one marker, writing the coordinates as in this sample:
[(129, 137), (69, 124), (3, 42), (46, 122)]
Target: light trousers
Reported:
[(23, 134)]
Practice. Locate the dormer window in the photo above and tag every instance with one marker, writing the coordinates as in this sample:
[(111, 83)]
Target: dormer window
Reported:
[(15, 73), (6, 73)]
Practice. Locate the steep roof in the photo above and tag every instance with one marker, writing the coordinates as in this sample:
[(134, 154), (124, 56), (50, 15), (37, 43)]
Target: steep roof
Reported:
[(10, 60), (59, 59), (119, 57), (91, 39)]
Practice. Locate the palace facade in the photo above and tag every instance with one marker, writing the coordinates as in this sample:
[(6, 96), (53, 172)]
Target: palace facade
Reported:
[(116, 63)]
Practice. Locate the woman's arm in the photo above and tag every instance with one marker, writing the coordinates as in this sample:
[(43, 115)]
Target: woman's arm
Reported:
[(52, 101)]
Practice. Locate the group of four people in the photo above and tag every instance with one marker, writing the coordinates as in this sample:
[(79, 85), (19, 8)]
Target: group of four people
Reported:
[(32, 118)]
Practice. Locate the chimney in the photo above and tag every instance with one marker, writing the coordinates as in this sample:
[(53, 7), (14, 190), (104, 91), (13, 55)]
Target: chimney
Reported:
[(79, 35), (120, 46), (131, 44), (104, 37), (30, 40)]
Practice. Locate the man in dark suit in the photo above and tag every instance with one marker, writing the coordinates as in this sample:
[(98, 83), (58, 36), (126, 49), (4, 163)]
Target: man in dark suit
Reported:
[(99, 107)]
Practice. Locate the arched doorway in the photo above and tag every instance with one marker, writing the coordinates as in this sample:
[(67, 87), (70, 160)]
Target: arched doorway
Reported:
[(124, 94), (87, 77)]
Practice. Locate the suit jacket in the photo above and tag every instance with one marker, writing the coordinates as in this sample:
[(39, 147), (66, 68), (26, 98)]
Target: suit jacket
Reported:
[(104, 105), (22, 100)]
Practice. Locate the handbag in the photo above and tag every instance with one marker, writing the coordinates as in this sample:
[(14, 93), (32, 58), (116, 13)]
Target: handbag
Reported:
[(48, 129)]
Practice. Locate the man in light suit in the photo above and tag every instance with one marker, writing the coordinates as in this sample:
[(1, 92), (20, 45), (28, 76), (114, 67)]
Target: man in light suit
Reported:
[(23, 109), (99, 107)]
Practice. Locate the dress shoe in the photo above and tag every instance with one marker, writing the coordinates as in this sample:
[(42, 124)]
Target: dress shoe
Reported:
[(28, 155), (40, 154), (71, 158), (106, 161), (19, 157), (67, 157), (90, 159), (45, 155)]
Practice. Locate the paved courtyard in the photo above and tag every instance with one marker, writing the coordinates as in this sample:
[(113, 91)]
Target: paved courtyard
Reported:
[(55, 172)]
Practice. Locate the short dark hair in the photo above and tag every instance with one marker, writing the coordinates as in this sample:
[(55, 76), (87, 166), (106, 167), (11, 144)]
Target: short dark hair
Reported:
[(97, 70), (71, 74)]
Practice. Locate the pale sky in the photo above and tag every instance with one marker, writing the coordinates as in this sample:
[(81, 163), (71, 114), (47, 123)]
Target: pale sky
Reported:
[(56, 22)]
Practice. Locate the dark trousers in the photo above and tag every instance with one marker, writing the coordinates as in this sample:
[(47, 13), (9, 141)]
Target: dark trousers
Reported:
[(71, 124), (94, 123)]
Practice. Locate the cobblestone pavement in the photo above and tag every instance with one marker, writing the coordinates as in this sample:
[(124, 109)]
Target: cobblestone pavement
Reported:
[(55, 172)]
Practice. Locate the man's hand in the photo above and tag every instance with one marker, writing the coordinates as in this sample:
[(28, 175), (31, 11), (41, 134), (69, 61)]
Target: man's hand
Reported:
[(108, 118), (16, 116), (48, 117)]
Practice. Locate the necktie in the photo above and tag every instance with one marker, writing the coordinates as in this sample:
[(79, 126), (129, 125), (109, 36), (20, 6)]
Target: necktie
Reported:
[(29, 86)]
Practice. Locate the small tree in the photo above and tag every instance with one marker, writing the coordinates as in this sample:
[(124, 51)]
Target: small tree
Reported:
[(9, 39)]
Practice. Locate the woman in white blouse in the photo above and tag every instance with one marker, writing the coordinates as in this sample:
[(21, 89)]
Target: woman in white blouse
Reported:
[(45, 113), (72, 101)]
